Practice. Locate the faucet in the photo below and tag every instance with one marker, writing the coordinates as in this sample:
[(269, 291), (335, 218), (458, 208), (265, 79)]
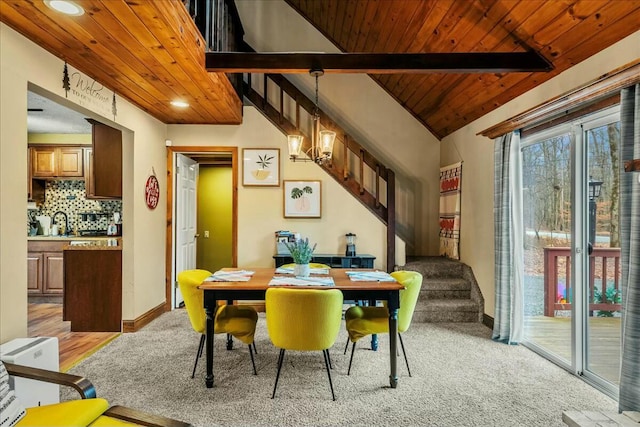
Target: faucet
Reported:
[(66, 221)]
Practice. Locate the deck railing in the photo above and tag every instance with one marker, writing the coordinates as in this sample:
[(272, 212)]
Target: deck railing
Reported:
[(558, 294)]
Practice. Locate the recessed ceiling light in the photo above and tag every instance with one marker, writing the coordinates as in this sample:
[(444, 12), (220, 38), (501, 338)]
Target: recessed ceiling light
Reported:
[(65, 6), (180, 104)]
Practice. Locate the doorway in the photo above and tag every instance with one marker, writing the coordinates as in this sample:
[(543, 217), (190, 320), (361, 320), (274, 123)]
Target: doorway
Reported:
[(572, 246), (214, 207)]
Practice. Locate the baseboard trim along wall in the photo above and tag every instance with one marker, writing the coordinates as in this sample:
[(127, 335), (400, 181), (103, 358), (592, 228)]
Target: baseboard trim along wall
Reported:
[(143, 320), (487, 321)]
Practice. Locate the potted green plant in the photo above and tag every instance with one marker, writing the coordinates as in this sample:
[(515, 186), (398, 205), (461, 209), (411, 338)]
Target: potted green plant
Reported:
[(301, 252)]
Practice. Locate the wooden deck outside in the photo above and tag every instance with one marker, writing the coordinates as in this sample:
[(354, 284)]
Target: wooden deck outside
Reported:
[(604, 337), (45, 320)]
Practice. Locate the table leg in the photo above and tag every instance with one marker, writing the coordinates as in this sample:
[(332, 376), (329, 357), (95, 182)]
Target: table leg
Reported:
[(393, 347), (229, 342), (374, 337), (209, 345)]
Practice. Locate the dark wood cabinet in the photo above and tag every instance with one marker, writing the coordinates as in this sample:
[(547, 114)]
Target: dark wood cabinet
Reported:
[(93, 289), (334, 261), (103, 162)]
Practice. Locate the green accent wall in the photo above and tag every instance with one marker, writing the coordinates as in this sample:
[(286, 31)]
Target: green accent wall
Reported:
[(215, 214)]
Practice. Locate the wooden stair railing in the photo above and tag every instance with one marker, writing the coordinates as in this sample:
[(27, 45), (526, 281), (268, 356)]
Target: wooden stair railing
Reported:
[(366, 180)]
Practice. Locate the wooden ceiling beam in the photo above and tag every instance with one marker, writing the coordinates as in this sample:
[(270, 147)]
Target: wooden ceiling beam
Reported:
[(376, 63)]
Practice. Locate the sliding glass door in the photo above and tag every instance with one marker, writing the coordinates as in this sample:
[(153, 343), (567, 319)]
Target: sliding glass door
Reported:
[(571, 246)]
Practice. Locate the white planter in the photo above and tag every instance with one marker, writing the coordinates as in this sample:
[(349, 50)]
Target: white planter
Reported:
[(301, 270)]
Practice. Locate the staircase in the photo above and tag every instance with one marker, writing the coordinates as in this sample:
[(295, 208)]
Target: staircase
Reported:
[(449, 291), (351, 165)]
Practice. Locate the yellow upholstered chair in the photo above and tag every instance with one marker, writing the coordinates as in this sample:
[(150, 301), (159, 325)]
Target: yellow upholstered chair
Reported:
[(363, 321), (303, 320), (88, 411), (238, 321)]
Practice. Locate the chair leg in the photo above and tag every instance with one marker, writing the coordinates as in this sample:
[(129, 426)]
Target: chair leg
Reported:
[(280, 360), (255, 350), (203, 337), (353, 349), (405, 354), (346, 346), (329, 357), (253, 362), (327, 362)]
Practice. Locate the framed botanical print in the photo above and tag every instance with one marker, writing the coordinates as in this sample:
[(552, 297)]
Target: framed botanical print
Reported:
[(302, 199), (261, 167)]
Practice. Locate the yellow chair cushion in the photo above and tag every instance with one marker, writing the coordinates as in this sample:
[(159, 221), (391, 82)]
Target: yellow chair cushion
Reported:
[(72, 413), (303, 319), (363, 321), (236, 320), (104, 421)]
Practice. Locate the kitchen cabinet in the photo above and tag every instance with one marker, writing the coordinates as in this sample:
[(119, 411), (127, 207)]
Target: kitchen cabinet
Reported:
[(35, 187), (57, 162), (45, 269), (103, 162), (93, 288)]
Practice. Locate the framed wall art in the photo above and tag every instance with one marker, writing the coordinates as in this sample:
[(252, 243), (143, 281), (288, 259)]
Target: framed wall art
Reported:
[(302, 199), (261, 167)]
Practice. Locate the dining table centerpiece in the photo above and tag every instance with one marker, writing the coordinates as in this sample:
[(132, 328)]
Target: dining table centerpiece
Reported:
[(301, 252)]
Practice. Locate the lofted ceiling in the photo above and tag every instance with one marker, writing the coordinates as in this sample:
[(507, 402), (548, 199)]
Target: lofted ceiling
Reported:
[(564, 32), (151, 53)]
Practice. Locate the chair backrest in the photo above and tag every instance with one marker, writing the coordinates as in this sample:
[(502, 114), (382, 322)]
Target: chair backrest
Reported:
[(188, 282), (412, 282), (303, 319)]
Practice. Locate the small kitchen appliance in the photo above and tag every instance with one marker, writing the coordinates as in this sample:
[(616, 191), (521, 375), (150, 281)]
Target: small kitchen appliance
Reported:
[(351, 244)]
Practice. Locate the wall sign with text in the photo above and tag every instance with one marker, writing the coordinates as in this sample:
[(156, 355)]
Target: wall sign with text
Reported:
[(152, 192)]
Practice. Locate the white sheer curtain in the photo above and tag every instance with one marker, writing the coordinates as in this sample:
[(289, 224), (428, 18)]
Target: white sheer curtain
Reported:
[(629, 399), (508, 325)]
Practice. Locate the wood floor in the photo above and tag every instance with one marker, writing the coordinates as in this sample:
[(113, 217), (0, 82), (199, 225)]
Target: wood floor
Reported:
[(604, 337), (45, 320)]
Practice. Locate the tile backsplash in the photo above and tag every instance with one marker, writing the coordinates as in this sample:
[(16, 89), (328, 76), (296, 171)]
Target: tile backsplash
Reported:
[(70, 197)]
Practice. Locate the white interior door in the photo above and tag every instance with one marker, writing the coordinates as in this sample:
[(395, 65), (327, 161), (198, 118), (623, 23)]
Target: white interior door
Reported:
[(185, 214)]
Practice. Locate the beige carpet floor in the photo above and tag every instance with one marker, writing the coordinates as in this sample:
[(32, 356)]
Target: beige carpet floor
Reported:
[(460, 378)]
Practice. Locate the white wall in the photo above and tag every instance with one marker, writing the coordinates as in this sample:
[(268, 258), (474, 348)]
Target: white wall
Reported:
[(477, 240), (260, 209), (367, 112), (23, 63)]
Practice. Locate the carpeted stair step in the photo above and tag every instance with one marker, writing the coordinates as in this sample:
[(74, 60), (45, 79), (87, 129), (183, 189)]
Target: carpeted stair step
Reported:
[(449, 291), (446, 310), (445, 288), (434, 267)]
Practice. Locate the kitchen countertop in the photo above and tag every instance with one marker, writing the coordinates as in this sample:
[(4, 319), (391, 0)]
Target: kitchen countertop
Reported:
[(68, 238), (93, 246)]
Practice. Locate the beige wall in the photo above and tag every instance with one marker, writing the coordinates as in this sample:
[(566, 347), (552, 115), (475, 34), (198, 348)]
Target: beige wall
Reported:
[(476, 241), (367, 112), (24, 65), (260, 209), (59, 138)]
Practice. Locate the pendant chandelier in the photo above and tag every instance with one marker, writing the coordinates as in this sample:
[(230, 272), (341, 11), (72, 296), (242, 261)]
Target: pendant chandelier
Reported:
[(321, 140)]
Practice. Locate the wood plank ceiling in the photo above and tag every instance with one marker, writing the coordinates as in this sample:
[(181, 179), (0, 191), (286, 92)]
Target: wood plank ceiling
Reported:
[(565, 32), (149, 52)]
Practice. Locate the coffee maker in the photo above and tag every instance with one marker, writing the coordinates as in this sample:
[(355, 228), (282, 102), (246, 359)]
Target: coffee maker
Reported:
[(351, 244)]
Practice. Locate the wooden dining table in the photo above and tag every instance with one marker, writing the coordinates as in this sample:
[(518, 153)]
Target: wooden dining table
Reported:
[(256, 287)]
